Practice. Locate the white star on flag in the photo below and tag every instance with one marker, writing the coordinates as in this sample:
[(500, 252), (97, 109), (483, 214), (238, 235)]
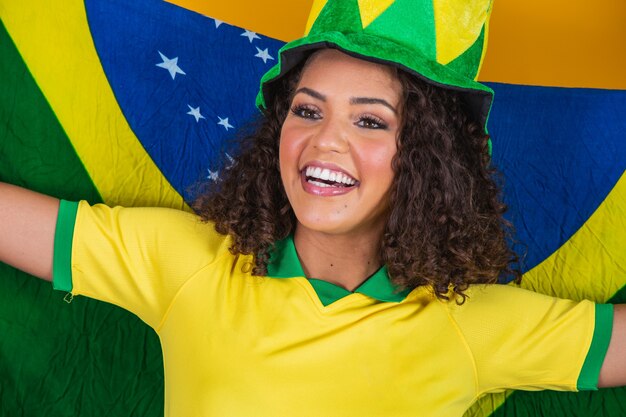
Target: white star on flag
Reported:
[(250, 35), (171, 65), (224, 122), (218, 23), (231, 160), (195, 112), (263, 54), (213, 175)]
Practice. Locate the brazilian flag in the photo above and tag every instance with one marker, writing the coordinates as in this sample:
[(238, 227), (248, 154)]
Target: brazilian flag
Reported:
[(136, 103)]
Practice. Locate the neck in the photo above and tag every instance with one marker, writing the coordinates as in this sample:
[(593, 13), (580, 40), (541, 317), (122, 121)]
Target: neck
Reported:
[(344, 260)]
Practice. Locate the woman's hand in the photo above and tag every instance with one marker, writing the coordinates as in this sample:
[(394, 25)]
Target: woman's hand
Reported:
[(27, 225)]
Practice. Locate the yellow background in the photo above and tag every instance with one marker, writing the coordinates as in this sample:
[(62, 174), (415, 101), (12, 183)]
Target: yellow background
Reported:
[(572, 43)]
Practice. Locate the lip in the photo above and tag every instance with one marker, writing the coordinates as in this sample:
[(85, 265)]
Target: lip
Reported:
[(327, 165), (324, 191)]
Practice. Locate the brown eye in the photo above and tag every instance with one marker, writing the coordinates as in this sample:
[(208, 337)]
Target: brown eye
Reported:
[(369, 122), (306, 112)]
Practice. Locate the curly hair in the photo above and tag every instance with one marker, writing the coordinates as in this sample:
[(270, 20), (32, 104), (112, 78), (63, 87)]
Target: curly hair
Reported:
[(445, 228)]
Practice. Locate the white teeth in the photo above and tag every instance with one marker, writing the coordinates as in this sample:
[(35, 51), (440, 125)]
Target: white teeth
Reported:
[(320, 184), (328, 175)]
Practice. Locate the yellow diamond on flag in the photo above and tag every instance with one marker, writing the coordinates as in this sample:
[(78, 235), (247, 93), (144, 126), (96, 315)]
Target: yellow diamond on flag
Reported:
[(371, 9)]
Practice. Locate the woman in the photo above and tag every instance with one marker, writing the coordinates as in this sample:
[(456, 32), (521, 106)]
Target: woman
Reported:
[(311, 299), (402, 146)]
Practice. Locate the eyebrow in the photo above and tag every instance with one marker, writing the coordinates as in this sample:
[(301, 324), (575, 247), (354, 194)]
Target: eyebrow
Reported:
[(353, 100), (311, 93), (372, 100)]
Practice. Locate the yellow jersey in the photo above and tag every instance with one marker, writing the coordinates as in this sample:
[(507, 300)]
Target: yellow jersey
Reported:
[(240, 345)]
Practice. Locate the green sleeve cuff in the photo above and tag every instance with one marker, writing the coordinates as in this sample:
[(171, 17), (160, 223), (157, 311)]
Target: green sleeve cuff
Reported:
[(63, 237), (588, 379)]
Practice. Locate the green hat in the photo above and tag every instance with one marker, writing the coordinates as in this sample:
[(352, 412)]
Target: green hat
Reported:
[(441, 41)]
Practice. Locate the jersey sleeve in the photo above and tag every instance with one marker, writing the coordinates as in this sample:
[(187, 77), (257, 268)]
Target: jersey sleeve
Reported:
[(136, 258), (524, 340)]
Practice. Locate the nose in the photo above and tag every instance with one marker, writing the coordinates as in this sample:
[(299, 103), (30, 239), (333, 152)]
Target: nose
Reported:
[(331, 136)]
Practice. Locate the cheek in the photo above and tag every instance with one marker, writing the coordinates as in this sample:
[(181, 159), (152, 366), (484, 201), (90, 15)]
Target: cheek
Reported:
[(288, 152), (376, 159), (284, 149)]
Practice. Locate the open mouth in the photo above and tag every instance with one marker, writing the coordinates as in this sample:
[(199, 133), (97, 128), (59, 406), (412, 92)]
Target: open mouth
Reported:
[(324, 177)]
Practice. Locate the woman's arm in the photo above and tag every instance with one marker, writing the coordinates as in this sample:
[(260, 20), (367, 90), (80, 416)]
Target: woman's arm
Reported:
[(613, 371), (27, 225)]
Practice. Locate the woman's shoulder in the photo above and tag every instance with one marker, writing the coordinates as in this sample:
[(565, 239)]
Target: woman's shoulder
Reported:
[(499, 296), (498, 303), (165, 228)]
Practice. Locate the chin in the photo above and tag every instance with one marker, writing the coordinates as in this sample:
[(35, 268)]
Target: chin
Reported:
[(347, 224), (317, 222), (339, 215)]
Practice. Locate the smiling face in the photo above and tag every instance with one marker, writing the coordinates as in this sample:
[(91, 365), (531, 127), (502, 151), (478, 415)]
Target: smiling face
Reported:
[(337, 144)]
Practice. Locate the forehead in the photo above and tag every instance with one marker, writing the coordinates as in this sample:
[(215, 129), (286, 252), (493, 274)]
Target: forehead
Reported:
[(337, 72)]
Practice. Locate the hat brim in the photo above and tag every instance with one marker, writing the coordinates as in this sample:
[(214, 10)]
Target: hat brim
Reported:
[(477, 97)]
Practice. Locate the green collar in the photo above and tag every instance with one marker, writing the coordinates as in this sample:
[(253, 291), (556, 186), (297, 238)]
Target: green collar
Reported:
[(284, 263)]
